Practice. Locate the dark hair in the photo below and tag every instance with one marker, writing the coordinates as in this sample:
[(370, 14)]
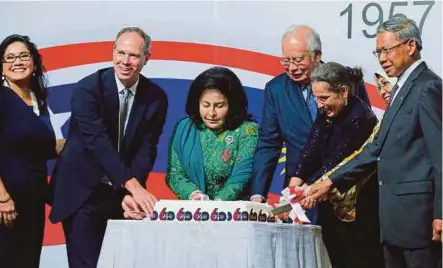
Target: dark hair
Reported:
[(227, 83), (338, 77), (38, 80)]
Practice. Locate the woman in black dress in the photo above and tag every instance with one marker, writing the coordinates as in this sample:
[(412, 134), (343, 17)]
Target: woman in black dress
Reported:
[(27, 141), (344, 124)]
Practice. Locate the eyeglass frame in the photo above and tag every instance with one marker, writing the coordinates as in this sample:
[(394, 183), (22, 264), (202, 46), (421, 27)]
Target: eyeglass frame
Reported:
[(23, 54), (286, 61), (380, 88), (388, 50)]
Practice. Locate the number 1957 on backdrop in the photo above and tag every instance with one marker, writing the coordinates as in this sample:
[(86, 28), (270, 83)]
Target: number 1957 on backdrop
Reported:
[(380, 17)]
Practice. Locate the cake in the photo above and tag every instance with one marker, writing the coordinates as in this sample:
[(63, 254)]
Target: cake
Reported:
[(185, 210)]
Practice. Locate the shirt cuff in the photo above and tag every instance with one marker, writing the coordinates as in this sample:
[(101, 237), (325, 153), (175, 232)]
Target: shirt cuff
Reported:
[(258, 195)]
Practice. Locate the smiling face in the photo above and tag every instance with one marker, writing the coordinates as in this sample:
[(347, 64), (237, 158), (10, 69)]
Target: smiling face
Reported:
[(330, 102), (400, 56), (214, 108), (384, 88), (21, 66), (129, 57), (297, 60)]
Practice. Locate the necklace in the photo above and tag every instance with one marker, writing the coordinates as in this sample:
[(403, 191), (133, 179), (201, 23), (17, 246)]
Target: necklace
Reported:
[(31, 95)]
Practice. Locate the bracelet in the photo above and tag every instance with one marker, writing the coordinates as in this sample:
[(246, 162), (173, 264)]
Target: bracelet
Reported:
[(5, 198), (194, 193)]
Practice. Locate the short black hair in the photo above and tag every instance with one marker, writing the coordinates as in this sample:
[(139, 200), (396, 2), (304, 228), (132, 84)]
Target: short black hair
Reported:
[(38, 79), (227, 83)]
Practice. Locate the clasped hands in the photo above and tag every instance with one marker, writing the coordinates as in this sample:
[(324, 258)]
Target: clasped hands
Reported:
[(314, 193), (140, 203)]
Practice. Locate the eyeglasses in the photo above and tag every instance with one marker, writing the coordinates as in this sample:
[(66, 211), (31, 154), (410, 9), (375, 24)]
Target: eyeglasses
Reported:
[(383, 85), (10, 58), (286, 61), (387, 50)]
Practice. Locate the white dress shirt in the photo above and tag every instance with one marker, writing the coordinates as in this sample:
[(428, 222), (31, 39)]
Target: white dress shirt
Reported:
[(404, 76), (133, 89)]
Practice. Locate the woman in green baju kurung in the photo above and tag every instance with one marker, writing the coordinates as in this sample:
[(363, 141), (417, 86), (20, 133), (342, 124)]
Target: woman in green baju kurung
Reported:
[(224, 155), (212, 150)]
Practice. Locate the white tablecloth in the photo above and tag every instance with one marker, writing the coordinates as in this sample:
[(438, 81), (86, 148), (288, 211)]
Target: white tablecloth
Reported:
[(159, 244)]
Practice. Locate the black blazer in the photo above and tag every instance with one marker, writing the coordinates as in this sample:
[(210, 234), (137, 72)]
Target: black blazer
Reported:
[(91, 146), (407, 153)]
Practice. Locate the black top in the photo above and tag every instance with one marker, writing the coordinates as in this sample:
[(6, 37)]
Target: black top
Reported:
[(333, 139), (27, 141)]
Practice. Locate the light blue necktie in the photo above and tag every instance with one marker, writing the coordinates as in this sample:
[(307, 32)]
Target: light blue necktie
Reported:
[(311, 103)]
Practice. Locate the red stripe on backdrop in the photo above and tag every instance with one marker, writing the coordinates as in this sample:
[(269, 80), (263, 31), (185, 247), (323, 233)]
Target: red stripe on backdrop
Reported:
[(64, 56)]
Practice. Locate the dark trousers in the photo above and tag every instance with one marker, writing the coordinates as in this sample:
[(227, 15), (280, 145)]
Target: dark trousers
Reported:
[(21, 245), (354, 244), (428, 257), (85, 229)]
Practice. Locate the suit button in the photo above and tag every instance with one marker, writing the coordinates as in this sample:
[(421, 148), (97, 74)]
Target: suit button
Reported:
[(378, 159), (380, 183)]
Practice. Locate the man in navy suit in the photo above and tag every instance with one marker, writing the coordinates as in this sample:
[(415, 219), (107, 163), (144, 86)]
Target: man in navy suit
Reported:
[(289, 107), (117, 118), (407, 153)]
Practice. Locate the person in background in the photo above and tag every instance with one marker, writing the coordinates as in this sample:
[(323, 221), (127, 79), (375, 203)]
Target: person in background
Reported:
[(384, 85), (344, 124), (27, 141), (211, 151)]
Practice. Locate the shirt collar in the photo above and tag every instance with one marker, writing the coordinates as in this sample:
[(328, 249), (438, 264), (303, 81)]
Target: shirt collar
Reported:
[(121, 87), (404, 76)]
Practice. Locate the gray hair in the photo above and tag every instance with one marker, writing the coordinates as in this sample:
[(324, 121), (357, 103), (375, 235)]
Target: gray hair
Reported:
[(313, 39), (338, 77), (145, 36), (403, 28)]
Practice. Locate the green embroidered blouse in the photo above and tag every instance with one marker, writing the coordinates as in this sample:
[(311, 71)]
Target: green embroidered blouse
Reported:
[(221, 152)]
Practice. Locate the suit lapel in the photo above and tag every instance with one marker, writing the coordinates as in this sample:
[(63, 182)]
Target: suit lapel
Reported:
[(398, 101), (111, 103), (304, 113), (138, 108)]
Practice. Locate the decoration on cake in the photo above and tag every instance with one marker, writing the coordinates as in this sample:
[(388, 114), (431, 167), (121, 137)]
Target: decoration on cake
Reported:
[(185, 210), (290, 202)]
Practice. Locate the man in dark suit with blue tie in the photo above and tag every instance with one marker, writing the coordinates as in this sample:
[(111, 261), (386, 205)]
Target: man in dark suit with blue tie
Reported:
[(289, 108), (407, 153), (117, 118)]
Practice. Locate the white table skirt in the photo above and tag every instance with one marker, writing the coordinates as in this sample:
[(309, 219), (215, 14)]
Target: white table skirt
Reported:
[(159, 244)]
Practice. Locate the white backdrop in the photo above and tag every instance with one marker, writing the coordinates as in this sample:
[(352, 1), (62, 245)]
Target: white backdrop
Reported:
[(346, 29)]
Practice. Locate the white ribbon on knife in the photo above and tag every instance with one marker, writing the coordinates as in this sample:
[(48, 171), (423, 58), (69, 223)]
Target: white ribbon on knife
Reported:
[(294, 196)]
